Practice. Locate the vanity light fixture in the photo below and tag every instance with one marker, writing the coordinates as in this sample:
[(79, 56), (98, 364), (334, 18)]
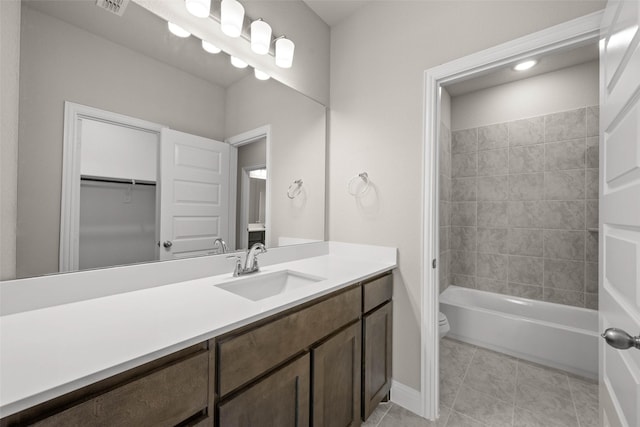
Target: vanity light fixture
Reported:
[(260, 37), (238, 63), (199, 8), (231, 23), (231, 17), (525, 65), (284, 52), (210, 47), (177, 30), (261, 75)]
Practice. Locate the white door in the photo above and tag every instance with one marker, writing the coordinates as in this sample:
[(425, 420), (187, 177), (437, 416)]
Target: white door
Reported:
[(619, 301), (194, 194)]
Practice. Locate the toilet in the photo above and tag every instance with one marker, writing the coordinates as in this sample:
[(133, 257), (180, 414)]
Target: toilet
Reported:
[(443, 324)]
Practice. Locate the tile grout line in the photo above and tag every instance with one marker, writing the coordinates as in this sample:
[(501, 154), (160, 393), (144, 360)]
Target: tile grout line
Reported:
[(475, 273), (475, 349), (544, 186), (573, 401), (383, 415), (515, 397), (508, 197)]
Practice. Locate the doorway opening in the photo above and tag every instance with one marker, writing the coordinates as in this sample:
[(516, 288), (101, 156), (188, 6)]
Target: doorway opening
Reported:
[(558, 39), (253, 188)]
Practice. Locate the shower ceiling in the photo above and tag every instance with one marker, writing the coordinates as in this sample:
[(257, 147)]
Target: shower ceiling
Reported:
[(506, 74)]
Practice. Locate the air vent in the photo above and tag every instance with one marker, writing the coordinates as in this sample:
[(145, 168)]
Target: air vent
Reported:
[(116, 7)]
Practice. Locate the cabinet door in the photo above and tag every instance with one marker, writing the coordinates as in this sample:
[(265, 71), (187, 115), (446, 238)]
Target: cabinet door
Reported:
[(376, 366), (280, 400), (336, 379)]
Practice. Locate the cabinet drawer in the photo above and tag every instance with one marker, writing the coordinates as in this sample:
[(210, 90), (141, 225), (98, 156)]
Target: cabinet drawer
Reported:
[(243, 357), (376, 292), (280, 400), (163, 398)]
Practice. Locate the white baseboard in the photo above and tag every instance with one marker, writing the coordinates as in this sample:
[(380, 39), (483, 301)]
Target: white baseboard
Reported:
[(406, 397)]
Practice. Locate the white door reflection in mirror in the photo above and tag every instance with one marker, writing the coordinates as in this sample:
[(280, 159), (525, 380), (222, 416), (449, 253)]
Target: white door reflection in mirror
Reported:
[(194, 194)]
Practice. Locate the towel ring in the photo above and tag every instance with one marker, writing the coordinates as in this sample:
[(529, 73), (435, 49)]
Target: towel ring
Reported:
[(295, 189), (353, 181)]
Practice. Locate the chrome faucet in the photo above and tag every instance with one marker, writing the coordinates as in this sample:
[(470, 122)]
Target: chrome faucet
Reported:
[(223, 245), (250, 262)]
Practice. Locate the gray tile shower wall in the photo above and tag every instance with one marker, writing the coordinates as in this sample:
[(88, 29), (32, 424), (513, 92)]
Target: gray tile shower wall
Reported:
[(523, 203), (446, 190)]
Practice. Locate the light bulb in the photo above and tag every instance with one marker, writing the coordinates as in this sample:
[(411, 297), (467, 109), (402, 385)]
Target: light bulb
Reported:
[(284, 52), (522, 66), (177, 30), (231, 18), (261, 75), (238, 63), (260, 37), (211, 48), (199, 8)]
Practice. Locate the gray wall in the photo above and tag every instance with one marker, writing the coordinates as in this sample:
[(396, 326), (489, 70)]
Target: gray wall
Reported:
[(9, 77), (524, 207), (61, 62), (298, 143), (377, 89)]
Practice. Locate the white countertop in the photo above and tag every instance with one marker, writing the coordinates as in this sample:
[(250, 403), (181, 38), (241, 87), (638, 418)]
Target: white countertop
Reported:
[(51, 351)]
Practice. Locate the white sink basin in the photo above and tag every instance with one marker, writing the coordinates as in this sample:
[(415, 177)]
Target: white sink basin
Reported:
[(265, 285)]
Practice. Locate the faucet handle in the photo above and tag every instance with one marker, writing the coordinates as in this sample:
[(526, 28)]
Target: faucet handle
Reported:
[(238, 266)]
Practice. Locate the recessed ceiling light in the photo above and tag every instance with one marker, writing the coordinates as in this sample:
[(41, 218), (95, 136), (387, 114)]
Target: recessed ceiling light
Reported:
[(238, 63), (177, 30), (525, 65)]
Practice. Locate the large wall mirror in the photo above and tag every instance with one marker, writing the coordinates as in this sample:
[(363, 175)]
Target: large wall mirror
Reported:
[(136, 145)]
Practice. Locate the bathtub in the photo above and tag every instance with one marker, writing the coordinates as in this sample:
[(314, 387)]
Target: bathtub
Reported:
[(554, 335)]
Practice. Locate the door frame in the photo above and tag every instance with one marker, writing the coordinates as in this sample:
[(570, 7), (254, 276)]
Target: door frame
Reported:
[(71, 168), (561, 36), (237, 141)]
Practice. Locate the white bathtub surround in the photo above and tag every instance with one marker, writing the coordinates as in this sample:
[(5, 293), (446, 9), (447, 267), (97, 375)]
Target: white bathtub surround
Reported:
[(555, 335), (104, 333)]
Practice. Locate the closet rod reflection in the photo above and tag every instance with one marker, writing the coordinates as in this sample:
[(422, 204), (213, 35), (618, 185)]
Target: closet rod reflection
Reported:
[(117, 181)]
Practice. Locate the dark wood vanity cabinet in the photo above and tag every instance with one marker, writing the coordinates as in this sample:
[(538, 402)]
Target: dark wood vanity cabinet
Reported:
[(326, 362), (344, 340), (377, 323)]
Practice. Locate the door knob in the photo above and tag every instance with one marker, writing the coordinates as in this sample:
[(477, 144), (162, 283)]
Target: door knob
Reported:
[(618, 338), (167, 244)]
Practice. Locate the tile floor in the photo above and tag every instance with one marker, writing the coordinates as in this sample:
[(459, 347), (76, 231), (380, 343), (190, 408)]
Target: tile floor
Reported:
[(479, 387)]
